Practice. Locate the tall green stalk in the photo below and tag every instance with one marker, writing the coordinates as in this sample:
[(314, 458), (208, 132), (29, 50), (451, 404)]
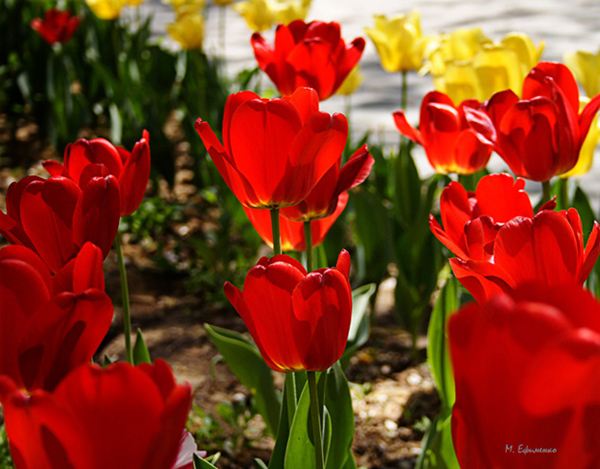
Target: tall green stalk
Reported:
[(309, 246), (546, 192), (125, 298), (315, 416), (276, 231)]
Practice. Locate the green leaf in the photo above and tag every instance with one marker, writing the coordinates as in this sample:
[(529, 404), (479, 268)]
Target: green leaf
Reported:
[(438, 449), (338, 403), (245, 361), (359, 326), (200, 463), (259, 464), (300, 451), (140, 350), (438, 354)]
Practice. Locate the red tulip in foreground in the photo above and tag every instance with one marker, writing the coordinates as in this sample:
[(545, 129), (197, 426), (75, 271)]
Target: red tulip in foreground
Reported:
[(527, 374), (501, 246), (540, 135), (307, 54), (119, 417), (99, 156), (56, 27), (55, 217), (299, 321), (455, 139), (50, 325), (292, 232), (275, 150)]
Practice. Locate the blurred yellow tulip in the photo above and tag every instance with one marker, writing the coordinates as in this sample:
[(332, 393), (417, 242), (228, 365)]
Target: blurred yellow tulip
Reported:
[(106, 9), (135, 3), (586, 68), (586, 154), (466, 64), (259, 14), (399, 42), (352, 82), (287, 11), (185, 7), (188, 30), (223, 2)]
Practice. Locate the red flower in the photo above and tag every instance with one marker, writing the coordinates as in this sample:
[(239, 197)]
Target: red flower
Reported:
[(323, 199), (547, 248), (55, 217), (527, 368), (307, 54), (455, 139), (471, 220), (500, 245), (274, 151), (118, 417), (299, 321), (56, 27), (540, 136), (132, 169), (50, 325), (292, 232)]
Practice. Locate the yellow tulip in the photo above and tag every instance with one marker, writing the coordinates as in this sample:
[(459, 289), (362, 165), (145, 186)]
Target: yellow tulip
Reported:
[(466, 64), (106, 9), (188, 30), (586, 154), (135, 3), (399, 42), (222, 2), (352, 82), (184, 7), (259, 14), (586, 68), (287, 11)]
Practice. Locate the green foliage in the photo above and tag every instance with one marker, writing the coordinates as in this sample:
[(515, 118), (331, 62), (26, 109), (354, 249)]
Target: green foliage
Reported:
[(247, 364), (140, 350), (5, 459)]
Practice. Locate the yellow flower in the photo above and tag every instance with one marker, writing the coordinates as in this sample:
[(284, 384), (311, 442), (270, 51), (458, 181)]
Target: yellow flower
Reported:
[(188, 30), (184, 7), (352, 82), (106, 9), (586, 154), (135, 3), (398, 41), (287, 11), (222, 2), (586, 68), (466, 64), (259, 14)]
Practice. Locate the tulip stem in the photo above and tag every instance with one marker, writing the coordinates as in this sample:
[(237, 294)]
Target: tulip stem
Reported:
[(545, 191), (276, 231), (309, 246), (290, 387), (403, 100), (125, 298), (315, 415)]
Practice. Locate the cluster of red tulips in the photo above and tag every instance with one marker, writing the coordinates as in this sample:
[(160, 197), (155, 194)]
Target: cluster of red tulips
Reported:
[(526, 355)]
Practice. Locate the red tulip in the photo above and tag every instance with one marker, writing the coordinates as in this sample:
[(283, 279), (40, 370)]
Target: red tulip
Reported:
[(56, 217), (540, 135), (299, 321), (131, 169), (471, 220), (547, 248), (310, 55), (527, 373), (50, 325), (323, 199), (56, 27), (292, 232), (455, 139), (275, 151), (120, 417)]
